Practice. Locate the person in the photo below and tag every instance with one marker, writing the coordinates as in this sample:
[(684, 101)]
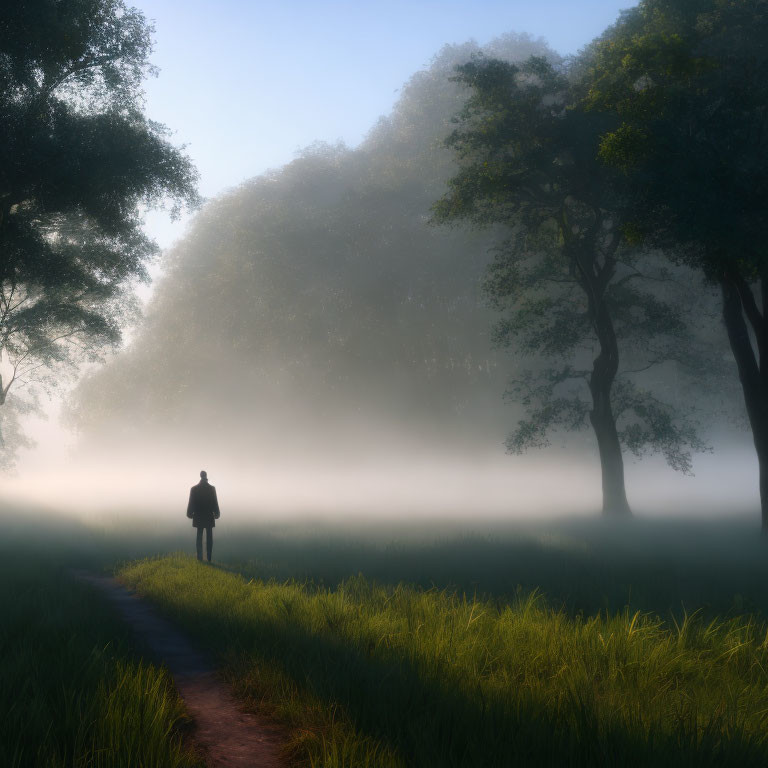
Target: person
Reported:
[(203, 510)]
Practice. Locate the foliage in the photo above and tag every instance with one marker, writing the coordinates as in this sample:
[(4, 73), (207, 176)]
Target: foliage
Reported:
[(566, 279), (79, 159), (688, 83), (12, 437)]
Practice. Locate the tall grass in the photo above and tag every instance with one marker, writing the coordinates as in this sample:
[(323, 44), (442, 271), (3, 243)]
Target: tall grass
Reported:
[(74, 693), (400, 676)]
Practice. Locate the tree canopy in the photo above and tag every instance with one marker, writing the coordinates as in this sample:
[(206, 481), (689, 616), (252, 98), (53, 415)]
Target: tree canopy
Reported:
[(79, 161), (686, 83), (316, 300)]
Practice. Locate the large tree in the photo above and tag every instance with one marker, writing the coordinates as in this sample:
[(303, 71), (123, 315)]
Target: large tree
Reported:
[(79, 161), (687, 83), (332, 306), (565, 276)]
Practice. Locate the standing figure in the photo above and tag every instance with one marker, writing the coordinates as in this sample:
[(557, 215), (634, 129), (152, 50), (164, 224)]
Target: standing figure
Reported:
[(203, 509)]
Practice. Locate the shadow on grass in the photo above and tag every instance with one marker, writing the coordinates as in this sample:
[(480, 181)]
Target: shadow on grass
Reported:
[(668, 567)]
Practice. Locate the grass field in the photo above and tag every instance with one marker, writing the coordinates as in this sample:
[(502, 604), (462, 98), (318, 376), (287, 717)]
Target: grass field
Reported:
[(375, 672), (398, 645), (75, 690)]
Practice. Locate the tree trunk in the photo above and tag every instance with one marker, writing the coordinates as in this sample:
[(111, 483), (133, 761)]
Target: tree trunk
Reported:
[(762, 458), (604, 370), (594, 281), (753, 369), (601, 416)]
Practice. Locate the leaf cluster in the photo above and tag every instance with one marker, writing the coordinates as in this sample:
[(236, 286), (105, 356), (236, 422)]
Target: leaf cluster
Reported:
[(78, 159), (688, 82)]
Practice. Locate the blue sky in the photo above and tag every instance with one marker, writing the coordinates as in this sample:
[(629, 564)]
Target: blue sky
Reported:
[(247, 84)]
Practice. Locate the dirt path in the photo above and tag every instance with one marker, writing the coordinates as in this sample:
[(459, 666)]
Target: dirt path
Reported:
[(227, 736)]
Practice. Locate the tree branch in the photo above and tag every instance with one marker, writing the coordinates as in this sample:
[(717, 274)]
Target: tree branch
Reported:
[(79, 66)]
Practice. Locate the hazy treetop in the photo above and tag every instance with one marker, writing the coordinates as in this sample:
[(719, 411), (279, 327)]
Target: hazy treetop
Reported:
[(321, 292), (341, 65)]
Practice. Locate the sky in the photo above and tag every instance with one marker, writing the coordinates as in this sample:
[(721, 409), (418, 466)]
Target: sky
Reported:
[(246, 85)]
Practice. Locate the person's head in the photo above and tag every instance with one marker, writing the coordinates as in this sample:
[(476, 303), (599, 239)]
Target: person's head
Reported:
[(203, 476)]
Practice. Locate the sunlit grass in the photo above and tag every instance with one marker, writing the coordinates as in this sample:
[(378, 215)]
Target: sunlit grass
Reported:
[(74, 694), (398, 676)]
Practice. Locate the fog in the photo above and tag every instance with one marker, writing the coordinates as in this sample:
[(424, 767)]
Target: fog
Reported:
[(321, 350), (479, 488)]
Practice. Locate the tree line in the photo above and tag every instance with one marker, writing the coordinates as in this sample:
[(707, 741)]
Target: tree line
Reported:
[(614, 189)]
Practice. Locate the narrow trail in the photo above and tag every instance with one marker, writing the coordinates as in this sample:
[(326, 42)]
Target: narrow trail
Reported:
[(226, 736)]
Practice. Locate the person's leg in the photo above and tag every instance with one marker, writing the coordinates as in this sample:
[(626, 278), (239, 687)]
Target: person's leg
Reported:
[(200, 543), (209, 541)]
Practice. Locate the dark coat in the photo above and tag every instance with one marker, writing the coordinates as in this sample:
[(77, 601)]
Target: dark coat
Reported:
[(203, 505)]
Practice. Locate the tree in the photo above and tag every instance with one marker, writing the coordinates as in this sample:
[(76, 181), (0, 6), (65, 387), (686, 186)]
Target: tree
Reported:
[(78, 159), (687, 83), (332, 306), (565, 277)]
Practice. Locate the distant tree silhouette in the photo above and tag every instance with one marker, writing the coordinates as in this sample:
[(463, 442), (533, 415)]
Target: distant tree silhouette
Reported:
[(322, 292)]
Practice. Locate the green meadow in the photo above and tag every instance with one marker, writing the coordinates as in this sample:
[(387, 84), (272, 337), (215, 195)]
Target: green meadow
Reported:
[(76, 690), (583, 644)]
